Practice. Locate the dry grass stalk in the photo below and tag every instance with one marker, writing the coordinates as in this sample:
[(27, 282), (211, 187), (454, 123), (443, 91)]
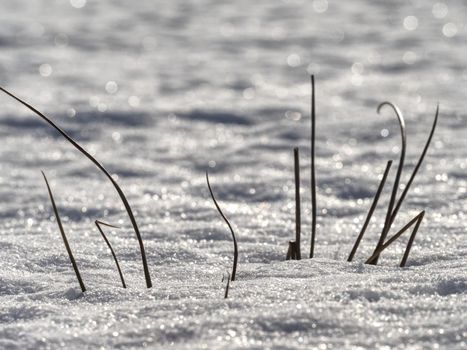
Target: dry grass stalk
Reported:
[(107, 174), (65, 240), (235, 258), (98, 224), (370, 212)]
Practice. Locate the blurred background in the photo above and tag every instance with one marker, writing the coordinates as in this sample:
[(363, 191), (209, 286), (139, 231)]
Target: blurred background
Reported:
[(87, 55), (160, 91)]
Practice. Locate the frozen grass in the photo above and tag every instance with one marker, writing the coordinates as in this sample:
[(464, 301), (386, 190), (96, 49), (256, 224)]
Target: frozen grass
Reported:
[(107, 174)]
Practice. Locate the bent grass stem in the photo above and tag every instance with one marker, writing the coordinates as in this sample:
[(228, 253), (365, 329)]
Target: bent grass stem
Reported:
[(235, 259), (98, 224)]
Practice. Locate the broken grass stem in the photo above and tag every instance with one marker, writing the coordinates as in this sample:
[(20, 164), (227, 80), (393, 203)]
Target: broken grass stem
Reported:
[(417, 219), (98, 224)]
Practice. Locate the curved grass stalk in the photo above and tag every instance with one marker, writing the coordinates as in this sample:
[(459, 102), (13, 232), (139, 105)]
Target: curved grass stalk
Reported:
[(388, 221), (313, 179), (65, 240), (412, 176), (107, 174), (417, 166), (235, 259), (417, 220), (370, 212), (98, 224)]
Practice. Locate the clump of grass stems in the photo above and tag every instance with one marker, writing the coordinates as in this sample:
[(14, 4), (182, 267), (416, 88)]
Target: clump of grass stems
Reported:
[(98, 224), (235, 258), (65, 240), (393, 211), (107, 174)]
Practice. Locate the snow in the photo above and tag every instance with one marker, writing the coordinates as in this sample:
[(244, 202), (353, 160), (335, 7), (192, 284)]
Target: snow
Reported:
[(161, 91)]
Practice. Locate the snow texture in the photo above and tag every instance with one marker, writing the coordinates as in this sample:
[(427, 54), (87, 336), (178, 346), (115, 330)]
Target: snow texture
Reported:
[(160, 91)]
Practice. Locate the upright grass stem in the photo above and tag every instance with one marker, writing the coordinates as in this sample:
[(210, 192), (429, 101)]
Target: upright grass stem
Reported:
[(298, 219), (107, 174), (65, 240), (370, 212), (98, 224), (235, 259), (313, 179)]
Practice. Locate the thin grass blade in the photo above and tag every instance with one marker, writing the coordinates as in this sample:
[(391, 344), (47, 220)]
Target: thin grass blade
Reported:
[(227, 286), (98, 224), (65, 240), (235, 259), (297, 204), (370, 212), (411, 240), (313, 177)]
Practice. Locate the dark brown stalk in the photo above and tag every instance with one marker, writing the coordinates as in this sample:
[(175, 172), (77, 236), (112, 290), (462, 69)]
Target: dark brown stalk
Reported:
[(370, 212), (101, 167), (395, 188), (417, 220), (288, 256), (313, 179), (292, 251), (98, 224), (412, 238), (227, 286), (65, 240), (235, 259), (297, 204)]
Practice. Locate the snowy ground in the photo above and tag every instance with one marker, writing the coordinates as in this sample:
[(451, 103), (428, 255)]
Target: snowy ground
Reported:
[(160, 91)]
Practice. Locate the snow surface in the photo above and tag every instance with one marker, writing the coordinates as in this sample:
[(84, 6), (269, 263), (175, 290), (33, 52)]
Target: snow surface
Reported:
[(160, 91)]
